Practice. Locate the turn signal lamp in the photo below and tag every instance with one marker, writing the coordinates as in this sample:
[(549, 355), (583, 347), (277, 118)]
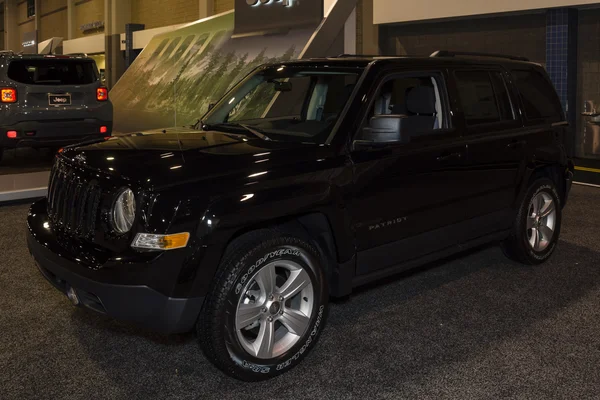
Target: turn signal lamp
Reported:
[(150, 241), (8, 95), (102, 94)]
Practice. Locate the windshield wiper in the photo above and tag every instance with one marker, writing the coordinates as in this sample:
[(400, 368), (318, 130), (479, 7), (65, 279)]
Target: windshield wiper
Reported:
[(250, 129), (255, 132)]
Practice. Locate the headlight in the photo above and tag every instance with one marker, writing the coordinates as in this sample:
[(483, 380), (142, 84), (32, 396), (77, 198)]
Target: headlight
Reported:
[(149, 241), (123, 213)]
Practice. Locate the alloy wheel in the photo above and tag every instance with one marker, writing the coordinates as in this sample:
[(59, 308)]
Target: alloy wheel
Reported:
[(275, 309), (541, 221)]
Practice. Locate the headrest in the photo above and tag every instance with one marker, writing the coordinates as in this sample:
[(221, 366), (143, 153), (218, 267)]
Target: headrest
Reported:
[(421, 100)]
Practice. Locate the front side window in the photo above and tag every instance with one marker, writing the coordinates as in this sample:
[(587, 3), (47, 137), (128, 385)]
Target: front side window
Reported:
[(484, 97), (417, 100), (286, 103)]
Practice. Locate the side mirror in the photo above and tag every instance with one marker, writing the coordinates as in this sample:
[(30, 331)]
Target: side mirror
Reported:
[(384, 129)]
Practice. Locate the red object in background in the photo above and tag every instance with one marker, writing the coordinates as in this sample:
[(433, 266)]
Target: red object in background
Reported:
[(103, 129), (11, 134), (8, 95), (102, 94)]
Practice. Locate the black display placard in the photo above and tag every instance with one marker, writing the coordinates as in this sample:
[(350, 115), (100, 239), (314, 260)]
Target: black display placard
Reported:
[(29, 44), (265, 16)]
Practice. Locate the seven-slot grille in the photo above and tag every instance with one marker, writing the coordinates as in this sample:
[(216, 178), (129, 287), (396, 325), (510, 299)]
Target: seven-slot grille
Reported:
[(73, 201)]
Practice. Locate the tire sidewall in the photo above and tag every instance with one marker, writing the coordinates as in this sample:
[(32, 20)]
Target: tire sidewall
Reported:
[(263, 255), (545, 186)]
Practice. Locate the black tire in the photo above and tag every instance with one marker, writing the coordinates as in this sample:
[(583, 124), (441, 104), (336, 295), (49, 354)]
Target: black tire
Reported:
[(517, 246), (216, 328)]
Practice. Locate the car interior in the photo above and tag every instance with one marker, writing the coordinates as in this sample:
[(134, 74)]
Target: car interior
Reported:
[(306, 106)]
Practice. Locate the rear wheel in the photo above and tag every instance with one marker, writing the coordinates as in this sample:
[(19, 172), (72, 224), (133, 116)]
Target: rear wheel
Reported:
[(537, 225), (267, 306)]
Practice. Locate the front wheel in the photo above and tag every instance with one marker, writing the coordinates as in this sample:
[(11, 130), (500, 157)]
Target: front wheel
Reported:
[(267, 306), (537, 226)]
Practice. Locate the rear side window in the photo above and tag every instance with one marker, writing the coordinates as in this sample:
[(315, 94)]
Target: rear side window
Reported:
[(538, 96), (53, 72), (484, 97)]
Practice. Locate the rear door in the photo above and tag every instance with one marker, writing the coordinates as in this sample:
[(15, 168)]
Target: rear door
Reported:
[(495, 141), (52, 84)]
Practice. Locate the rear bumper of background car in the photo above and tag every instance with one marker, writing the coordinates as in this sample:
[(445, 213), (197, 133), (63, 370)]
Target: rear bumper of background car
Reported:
[(53, 133), (135, 303)]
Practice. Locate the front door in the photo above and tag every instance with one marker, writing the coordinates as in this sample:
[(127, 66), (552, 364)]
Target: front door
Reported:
[(407, 195)]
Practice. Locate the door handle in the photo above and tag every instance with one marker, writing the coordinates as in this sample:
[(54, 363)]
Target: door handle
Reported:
[(517, 144), (451, 156)]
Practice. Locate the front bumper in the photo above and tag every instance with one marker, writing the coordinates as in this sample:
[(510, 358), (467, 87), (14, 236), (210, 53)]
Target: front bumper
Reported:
[(139, 304)]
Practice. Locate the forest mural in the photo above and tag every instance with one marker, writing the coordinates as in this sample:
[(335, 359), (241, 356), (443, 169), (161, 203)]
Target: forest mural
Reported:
[(177, 76)]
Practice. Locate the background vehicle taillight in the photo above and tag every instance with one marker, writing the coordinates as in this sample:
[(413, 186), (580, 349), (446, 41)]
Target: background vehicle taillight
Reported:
[(8, 95), (102, 94)]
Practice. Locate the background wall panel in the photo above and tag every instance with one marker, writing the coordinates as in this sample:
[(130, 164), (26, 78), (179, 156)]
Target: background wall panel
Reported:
[(389, 11), (521, 35), (156, 13), (87, 11)]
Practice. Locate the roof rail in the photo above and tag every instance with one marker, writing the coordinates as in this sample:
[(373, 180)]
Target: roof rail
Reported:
[(445, 53)]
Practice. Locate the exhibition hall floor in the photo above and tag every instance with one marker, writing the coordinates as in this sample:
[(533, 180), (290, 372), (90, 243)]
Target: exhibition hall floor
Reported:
[(477, 326)]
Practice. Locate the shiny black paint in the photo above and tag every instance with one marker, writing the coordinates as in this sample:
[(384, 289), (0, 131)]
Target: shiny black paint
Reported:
[(379, 204)]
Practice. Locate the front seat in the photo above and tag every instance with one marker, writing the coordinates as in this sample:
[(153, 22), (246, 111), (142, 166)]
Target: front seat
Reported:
[(420, 103)]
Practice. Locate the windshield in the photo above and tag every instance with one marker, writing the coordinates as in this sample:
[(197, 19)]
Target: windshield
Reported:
[(286, 103)]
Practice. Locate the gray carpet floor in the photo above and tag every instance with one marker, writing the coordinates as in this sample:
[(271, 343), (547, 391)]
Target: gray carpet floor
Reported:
[(474, 327)]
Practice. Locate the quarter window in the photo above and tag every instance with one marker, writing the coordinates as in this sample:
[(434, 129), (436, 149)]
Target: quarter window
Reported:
[(538, 96), (484, 97)]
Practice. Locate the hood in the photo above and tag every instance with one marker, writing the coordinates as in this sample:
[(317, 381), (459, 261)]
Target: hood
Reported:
[(169, 156)]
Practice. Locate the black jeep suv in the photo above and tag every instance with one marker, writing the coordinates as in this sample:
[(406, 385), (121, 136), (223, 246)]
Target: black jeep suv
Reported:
[(305, 180)]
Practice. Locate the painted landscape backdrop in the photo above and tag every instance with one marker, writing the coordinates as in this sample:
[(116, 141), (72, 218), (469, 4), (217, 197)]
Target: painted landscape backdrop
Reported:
[(180, 73)]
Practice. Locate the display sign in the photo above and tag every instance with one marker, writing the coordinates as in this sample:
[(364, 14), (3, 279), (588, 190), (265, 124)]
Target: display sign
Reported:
[(29, 42), (266, 16), (92, 26)]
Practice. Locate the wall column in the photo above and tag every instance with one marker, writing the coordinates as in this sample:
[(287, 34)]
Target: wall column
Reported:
[(117, 13), (11, 29), (71, 21), (561, 56), (206, 8), (38, 18)]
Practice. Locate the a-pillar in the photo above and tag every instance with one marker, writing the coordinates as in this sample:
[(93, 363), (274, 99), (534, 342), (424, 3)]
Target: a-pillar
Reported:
[(117, 13), (561, 56)]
